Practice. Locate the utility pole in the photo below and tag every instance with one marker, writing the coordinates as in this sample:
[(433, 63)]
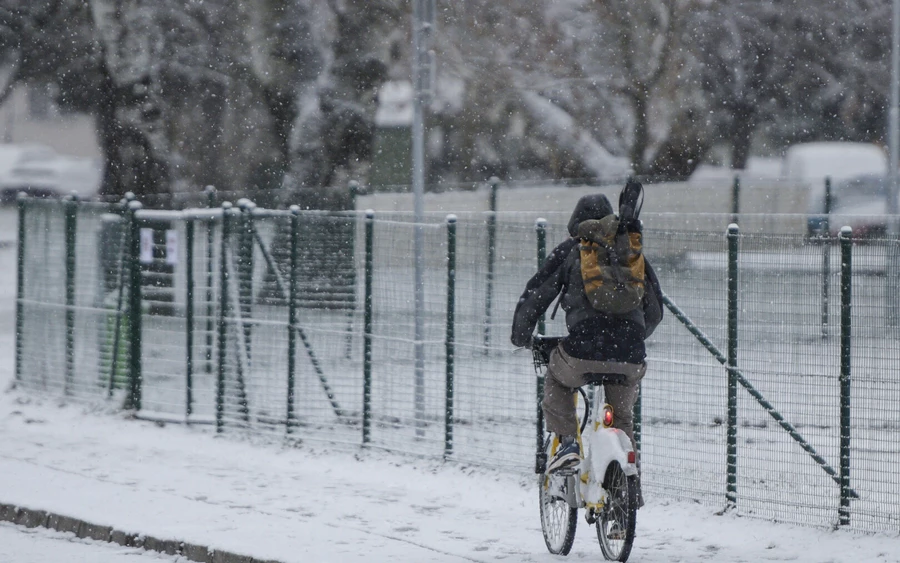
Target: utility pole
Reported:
[(422, 63), (892, 266)]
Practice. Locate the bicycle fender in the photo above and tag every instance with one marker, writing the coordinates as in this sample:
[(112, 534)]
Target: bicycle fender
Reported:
[(605, 445)]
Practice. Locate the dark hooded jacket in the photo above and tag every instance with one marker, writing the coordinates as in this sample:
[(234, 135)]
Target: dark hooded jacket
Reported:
[(593, 335)]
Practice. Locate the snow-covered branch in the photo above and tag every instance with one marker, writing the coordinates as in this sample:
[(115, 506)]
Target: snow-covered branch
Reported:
[(565, 131)]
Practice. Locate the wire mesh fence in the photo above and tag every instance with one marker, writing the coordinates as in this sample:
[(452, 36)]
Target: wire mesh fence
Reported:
[(303, 325), (74, 333)]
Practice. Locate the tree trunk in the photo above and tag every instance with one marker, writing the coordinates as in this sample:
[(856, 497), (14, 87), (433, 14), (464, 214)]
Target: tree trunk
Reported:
[(334, 129), (742, 128), (137, 148), (639, 104), (213, 106), (109, 134)]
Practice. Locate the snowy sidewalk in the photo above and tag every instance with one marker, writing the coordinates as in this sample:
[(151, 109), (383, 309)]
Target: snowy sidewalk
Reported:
[(302, 504), (285, 505)]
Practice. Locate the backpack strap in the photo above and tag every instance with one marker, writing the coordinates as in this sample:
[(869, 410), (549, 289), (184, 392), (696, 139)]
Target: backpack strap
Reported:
[(562, 291), (558, 301)]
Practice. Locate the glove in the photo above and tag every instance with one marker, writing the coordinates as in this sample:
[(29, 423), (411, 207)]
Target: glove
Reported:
[(522, 341)]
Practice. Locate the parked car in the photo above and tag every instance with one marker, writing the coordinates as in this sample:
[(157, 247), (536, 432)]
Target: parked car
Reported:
[(860, 203), (39, 171), (11, 156), (811, 163)]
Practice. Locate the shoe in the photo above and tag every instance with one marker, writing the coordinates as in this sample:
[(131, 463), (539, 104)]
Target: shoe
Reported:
[(567, 457)]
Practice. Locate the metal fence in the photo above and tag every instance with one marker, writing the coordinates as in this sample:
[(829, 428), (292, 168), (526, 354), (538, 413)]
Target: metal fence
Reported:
[(773, 384)]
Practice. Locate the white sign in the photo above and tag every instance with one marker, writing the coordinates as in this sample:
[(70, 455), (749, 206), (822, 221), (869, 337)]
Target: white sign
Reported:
[(171, 247), (146, 246)]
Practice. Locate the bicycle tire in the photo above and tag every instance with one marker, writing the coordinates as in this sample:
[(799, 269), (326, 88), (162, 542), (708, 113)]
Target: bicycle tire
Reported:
[(620, 511), (558, 518)]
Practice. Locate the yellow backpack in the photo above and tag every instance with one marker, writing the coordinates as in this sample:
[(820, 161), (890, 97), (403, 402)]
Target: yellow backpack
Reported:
[(612, 265)]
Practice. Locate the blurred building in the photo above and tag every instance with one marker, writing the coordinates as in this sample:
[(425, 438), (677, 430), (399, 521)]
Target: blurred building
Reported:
[(30, 115), (44, 150)]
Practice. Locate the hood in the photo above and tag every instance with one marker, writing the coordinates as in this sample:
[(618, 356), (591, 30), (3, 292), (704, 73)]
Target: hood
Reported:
[(595, 206)]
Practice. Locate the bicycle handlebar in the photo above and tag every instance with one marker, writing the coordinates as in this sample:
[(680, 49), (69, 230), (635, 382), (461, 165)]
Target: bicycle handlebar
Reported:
[(541, 346)]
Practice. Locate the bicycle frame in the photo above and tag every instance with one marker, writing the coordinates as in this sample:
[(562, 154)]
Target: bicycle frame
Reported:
[(600, 445)]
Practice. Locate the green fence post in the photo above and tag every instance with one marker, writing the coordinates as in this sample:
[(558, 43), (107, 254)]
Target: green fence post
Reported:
[(540, 461), (223, 311), (731, 457), (367, 327), (133, 399), (735, 199), (245, 275), (122, 317), (20, 287), (541, 227), (210, 241), (826, 256), (491, 257), (636, 413), (71, 225), (292, 315), (189, 318), (451, 337), (846, 341), (355, 190)]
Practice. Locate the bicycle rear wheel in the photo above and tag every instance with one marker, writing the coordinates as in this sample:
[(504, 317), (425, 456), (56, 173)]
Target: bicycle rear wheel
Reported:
[(616, 525), (558, 519)]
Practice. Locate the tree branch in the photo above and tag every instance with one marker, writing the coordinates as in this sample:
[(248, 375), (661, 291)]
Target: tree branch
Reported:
[(11, 74)]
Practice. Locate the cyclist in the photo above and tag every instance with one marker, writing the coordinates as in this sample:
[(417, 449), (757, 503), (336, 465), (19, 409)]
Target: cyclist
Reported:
[(597, 342)]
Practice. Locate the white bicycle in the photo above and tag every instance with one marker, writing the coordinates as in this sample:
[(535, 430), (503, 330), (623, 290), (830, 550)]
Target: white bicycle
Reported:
[(604, 484)]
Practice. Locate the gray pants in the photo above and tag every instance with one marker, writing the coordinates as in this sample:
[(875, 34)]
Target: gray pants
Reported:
[(565, 374)]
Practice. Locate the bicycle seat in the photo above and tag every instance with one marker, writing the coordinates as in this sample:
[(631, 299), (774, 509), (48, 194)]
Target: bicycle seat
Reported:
[(605, 379)]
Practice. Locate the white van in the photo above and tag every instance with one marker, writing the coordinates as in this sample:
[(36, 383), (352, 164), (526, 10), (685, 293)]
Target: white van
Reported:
[(811, 163), (40, 171)]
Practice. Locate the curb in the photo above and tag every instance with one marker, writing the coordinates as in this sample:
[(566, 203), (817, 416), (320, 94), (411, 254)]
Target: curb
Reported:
[(31, 518)]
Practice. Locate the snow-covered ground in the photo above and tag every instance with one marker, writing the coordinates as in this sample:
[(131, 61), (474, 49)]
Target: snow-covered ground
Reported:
[(39, 545), (302, 503)]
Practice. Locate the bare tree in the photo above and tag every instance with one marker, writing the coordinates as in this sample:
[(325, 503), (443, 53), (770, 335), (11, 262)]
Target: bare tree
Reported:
[(273, 93), (334, 130)]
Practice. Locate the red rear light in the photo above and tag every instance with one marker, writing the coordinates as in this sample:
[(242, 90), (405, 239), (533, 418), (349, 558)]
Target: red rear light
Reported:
[(607, 416), (631, 457)]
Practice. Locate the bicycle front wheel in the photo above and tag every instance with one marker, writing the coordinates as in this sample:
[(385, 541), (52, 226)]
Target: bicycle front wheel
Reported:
[(558, 519), (617, 521)]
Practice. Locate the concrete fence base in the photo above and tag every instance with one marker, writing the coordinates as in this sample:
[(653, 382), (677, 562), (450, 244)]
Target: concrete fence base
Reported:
[(31, 518)]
